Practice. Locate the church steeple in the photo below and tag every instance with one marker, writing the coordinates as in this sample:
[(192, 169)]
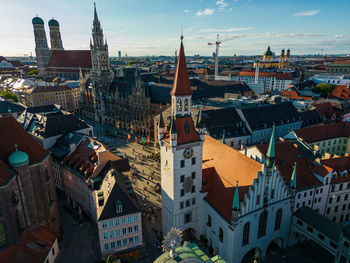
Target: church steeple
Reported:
[(95, 14), (223, 138), (235, 203), (271, 150)]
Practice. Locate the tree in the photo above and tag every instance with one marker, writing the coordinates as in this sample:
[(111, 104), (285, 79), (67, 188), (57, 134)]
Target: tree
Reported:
[(325, 89), (8, 95), (33, 72)]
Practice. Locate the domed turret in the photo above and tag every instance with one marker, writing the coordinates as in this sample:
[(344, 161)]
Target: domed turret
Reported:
[(37, 21), (18, 158), (268, 52), (282, 53), (53, 22)]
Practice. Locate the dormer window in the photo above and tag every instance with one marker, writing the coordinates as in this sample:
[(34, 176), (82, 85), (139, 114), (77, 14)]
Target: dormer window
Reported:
[(186, 105), (118, 207), (179, 105)]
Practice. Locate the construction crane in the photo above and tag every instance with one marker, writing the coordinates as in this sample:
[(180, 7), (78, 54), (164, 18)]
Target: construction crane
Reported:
[(218, 43)]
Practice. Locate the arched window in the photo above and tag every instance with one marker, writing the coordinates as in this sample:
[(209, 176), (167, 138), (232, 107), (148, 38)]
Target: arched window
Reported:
[(221, 235), (209, 221), (262, 224), (246, 230), (186, 105), (278, 219), (179, 105)]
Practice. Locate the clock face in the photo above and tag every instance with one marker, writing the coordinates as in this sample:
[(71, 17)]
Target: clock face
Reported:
[(188, 152)]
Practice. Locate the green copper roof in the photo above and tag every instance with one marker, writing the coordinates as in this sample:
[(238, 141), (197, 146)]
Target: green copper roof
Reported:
[(37, 20), (235, 203), (223, 138), (271, 150), (268, 52), (161, 120), (173, 126), (53, 22), (293, 179), (185, 253), (200, 123), (18, 158)]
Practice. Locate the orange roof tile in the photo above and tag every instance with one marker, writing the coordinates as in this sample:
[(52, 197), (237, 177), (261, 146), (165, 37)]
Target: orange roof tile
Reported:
[(341, 92), (338, 164), (181, 86), (222, 167)]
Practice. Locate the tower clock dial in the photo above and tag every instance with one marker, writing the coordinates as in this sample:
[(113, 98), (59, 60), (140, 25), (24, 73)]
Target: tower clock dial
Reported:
[(188, 152)]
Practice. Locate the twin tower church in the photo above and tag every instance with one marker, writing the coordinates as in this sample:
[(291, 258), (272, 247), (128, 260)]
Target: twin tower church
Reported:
[(210, 190)]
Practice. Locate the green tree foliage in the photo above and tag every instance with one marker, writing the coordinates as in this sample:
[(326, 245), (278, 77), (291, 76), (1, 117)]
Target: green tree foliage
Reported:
[(324, 89), (7, 95), (33, 72)]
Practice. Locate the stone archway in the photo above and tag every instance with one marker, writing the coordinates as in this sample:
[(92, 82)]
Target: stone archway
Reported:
[(253, 255), (274, 245)]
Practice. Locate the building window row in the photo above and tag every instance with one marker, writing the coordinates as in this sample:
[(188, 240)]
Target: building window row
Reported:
[(121, 243), (118, 221), (120, 232), (187, 203)]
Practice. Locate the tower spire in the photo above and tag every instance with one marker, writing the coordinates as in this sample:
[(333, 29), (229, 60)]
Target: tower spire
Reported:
[(271, 150), (293, 179), (161, 120), (200, 122), (95, 12), (235, 203), (181, 86), (223, 138)]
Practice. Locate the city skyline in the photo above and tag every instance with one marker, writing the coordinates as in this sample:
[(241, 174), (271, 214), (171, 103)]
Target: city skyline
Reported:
[(141, 29)]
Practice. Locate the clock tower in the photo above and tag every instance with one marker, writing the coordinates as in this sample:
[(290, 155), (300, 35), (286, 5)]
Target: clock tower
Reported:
[(181, 145)]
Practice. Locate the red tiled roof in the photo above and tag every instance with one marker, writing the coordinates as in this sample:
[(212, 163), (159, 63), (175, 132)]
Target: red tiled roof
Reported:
[(286, 156), (181, 86), (28, 250), (338, 164), (325, 109), (342, 62), (324, 132), (182, 136), (222, 167), (341, 92), (11, 133), (277, 75), (70, 59)]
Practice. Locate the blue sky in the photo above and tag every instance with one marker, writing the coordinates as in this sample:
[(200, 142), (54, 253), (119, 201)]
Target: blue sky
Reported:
[(152, 27)]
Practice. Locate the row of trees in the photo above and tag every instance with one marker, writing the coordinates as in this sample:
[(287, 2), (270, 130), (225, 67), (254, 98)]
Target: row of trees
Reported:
[(8, 95)]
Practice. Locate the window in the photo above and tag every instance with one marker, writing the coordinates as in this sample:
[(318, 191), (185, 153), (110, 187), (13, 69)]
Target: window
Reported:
[(182, 193), (193, 160), (117, 222), (344, 207), (123, 220), (110, 223), (136, 228), (310, 193), (346, 197), (136, 239), (135, 218), (129, 219), (104, 224), (188, 217), (278, 219), (221, 235), (130, 229), (272, 194), (348, 186), (193, 190), (188, 203), (182, 178), (330, 200), (53, 251), (299, 195), (181, 205), (338, 198), (131, 240), (124, 231), (112, 245), (106, 246), (209, 221), (257, 199), (125, 242), (309, 229), (320, 236), (328, 210), (117, 233), (186, 105), (111, 234), (182, 163), (305, 194), (341, 218), (105, 235), (193, 201), (262, 224), (300, 223), (246, 229), (193, 175), (179, 105), (332, 188), (332, 244)]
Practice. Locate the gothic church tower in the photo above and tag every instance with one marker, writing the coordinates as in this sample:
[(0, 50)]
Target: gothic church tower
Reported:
[(42, 50), (181, 158), (55, 35)]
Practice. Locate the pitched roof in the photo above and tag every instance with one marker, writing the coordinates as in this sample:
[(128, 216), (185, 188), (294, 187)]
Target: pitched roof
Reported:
[(57, 88), (287, 155), (181, 86), (182, 136), (13, 133), (70, 59), (33, 247), (324, 132), (341, 91), (5, 105), (222, 167)]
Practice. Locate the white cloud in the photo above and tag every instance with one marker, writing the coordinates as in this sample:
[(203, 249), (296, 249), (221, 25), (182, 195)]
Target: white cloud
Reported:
[(307, 13), (273, 34), (186, 11), (339, 36), (225, 29), (222, 5), (205, 12)]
